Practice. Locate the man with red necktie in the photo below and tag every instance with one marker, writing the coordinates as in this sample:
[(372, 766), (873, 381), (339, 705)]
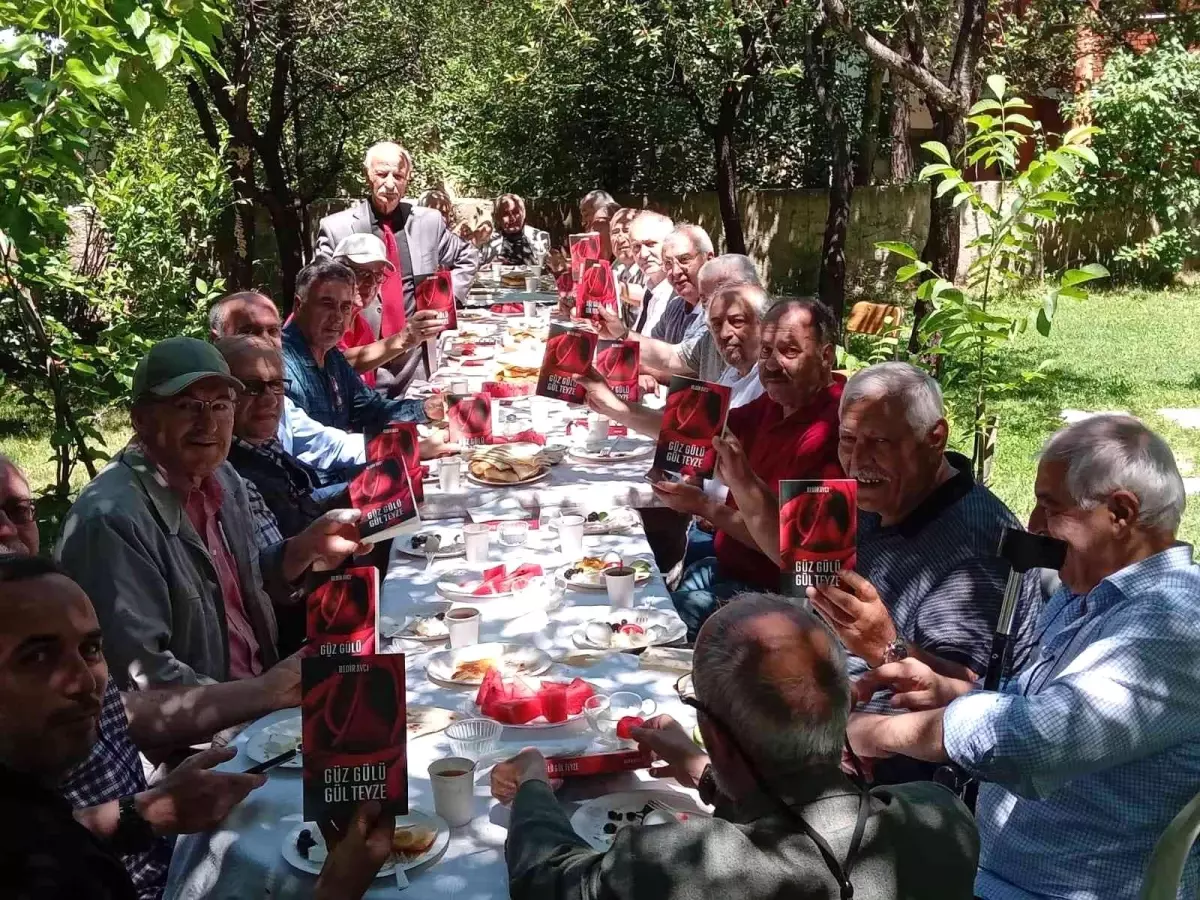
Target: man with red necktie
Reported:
[(417, 243)]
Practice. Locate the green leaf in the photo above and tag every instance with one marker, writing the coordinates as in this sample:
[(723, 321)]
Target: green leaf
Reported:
[(938, 149), (139, 21), (984, 106), (201, 286), (1018, 119), (154, 87), (1083, 152), (162, 47), (997, 85), (1090, 272), (948, 184), (1043, 323), (905, 273), (898, 247)]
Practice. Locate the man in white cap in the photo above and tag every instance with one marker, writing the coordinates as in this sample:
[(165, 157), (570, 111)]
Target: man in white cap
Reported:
[(366, 257)]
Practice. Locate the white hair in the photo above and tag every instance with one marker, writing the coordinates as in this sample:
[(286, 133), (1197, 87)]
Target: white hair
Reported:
[(784, 726), (916, 388), (750, 294), (1109, 453), (727, 270), (391, 145), (694, 235), (664, 223)]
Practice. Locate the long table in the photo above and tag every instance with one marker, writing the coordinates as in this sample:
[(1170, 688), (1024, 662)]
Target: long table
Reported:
[(243, 857)]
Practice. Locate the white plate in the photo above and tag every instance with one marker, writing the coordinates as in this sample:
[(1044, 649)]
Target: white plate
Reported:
[(460, 583), (513, 659), (591, 817), (391, 628), (674, 626), (542, 476), (595, 582), (618, 521), (638, 450), (451, 538), (538, 724), (256, 744), (415, 817)]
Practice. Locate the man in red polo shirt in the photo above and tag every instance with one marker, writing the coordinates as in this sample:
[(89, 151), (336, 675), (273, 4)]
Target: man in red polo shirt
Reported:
[(791, 431)]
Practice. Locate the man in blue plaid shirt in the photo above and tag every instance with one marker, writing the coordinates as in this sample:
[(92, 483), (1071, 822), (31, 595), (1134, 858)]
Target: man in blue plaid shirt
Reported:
[(1088, 754)]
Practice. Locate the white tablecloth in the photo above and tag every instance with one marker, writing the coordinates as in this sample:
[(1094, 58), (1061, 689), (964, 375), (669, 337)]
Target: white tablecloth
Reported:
[(242, 859)]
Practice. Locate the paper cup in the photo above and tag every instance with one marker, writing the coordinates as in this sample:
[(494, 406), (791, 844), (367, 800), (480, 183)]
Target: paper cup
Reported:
[(530, 305), (476, 539), (539, 414), (463, 625), (533, 284), (497, 268), (453, 780), (597, 431), (450, 474), (620, 583), (460, 386), (570, 536)]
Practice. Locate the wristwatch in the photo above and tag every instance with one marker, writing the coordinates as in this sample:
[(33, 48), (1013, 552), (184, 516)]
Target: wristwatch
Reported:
[(895, 651), (133, 834), (707, 786)]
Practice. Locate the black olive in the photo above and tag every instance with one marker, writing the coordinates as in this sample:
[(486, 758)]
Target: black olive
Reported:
[(614, 816), (441, 617), (305, 842), (647, 808), (610, 828), (593, 517), (420, 540), (633, 817), (571, 573)]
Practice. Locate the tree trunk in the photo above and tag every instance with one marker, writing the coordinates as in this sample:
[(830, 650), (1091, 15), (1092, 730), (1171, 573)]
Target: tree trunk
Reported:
[(727, 192), (869, 141), (941, 245), (898, 127)]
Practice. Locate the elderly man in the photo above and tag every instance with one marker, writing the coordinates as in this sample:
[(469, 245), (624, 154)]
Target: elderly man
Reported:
[(18, 527), (625, 267), (322, 383), (684, 253), (1087, 755), (366, 257), (163, 540), (771, 695), (515, 243), (417, 241), (727, 350), (647, 233), (65, 730), (253, 314)]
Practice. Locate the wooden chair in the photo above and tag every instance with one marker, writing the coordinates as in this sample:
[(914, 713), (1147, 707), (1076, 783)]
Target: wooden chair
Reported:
[(874, 318), (1165, 869)]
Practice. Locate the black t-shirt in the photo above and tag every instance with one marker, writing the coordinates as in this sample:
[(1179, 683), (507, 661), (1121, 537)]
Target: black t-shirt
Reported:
[(45, 854)]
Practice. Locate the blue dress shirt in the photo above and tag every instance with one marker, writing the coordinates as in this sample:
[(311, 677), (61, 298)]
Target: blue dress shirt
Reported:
[(1094, 748)]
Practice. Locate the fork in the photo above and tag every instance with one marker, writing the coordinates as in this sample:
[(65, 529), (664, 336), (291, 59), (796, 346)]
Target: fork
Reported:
[(432, 545)]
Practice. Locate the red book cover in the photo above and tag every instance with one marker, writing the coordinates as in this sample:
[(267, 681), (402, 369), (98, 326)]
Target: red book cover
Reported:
[(599, 763), (354, 735), (400, 440), (582, 247), (818, 531), (436, 292), (342, 613), (618, 362), (384, 494), (470, 417), (596, 292), (569, 352), (695, 414)]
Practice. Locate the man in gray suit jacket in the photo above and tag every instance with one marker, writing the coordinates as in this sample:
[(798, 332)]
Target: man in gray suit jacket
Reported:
[(418, 244), (772, 698)]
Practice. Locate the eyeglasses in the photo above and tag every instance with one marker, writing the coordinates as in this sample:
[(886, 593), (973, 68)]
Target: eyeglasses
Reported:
[(19, 511), (193, 408), (256, 387)]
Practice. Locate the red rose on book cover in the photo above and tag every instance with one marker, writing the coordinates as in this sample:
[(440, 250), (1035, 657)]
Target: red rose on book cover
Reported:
[(383, 492), (694, 414), (436, 292), (818, 529), (400, 440), (582, 247), (597, 291), (470, 417), (341, 612), (618, 363)]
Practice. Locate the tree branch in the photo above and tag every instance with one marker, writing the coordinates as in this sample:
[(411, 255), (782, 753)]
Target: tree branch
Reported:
[(937, 93), (204, 115)]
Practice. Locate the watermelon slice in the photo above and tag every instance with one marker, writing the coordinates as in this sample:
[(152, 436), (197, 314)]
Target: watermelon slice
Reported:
[(492, 688), (626, 725), (578, 693), (520, 689), (553, 695), (630, 628), (517, 712)]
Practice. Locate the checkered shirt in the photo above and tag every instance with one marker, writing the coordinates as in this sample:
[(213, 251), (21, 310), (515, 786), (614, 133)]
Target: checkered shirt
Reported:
[(114, 770), (1094, 748), (266, 526)]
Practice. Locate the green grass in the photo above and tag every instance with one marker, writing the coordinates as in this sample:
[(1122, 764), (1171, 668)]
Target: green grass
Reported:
[(1125, 349)]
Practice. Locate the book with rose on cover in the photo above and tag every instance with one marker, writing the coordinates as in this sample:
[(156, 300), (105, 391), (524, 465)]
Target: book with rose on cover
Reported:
[(618, 362), (383, 491), (569, 352), (353, 730), (694, 414), (470, 419), (818, 531), (399, 440), (342, 613)]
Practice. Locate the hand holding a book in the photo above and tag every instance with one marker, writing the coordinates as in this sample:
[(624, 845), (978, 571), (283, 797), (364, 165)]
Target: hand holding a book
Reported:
[(355, 853), (913, 684), (857, 615), (324, 545), (610, 325), (435, 408), (281, 682), (437, 444), (669, 742), (422, 326), (508, 776), (684, 498)]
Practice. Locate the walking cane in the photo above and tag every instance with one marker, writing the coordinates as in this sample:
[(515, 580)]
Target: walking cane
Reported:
[(1022, 550)]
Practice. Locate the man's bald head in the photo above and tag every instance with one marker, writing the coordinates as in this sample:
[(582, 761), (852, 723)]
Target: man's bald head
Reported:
[(246, 312), (774, 674)]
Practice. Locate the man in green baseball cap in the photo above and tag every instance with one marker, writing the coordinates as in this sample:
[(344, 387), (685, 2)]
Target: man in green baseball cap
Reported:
[(165, 542)]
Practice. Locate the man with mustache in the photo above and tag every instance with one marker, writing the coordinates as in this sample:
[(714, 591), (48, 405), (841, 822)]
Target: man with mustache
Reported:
[(252, 314), (18, 527), (625, 267), (417, 242), (322, 382), (162, 540), (1087, 756), (77, 820), (928, 582), (771, 697)]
